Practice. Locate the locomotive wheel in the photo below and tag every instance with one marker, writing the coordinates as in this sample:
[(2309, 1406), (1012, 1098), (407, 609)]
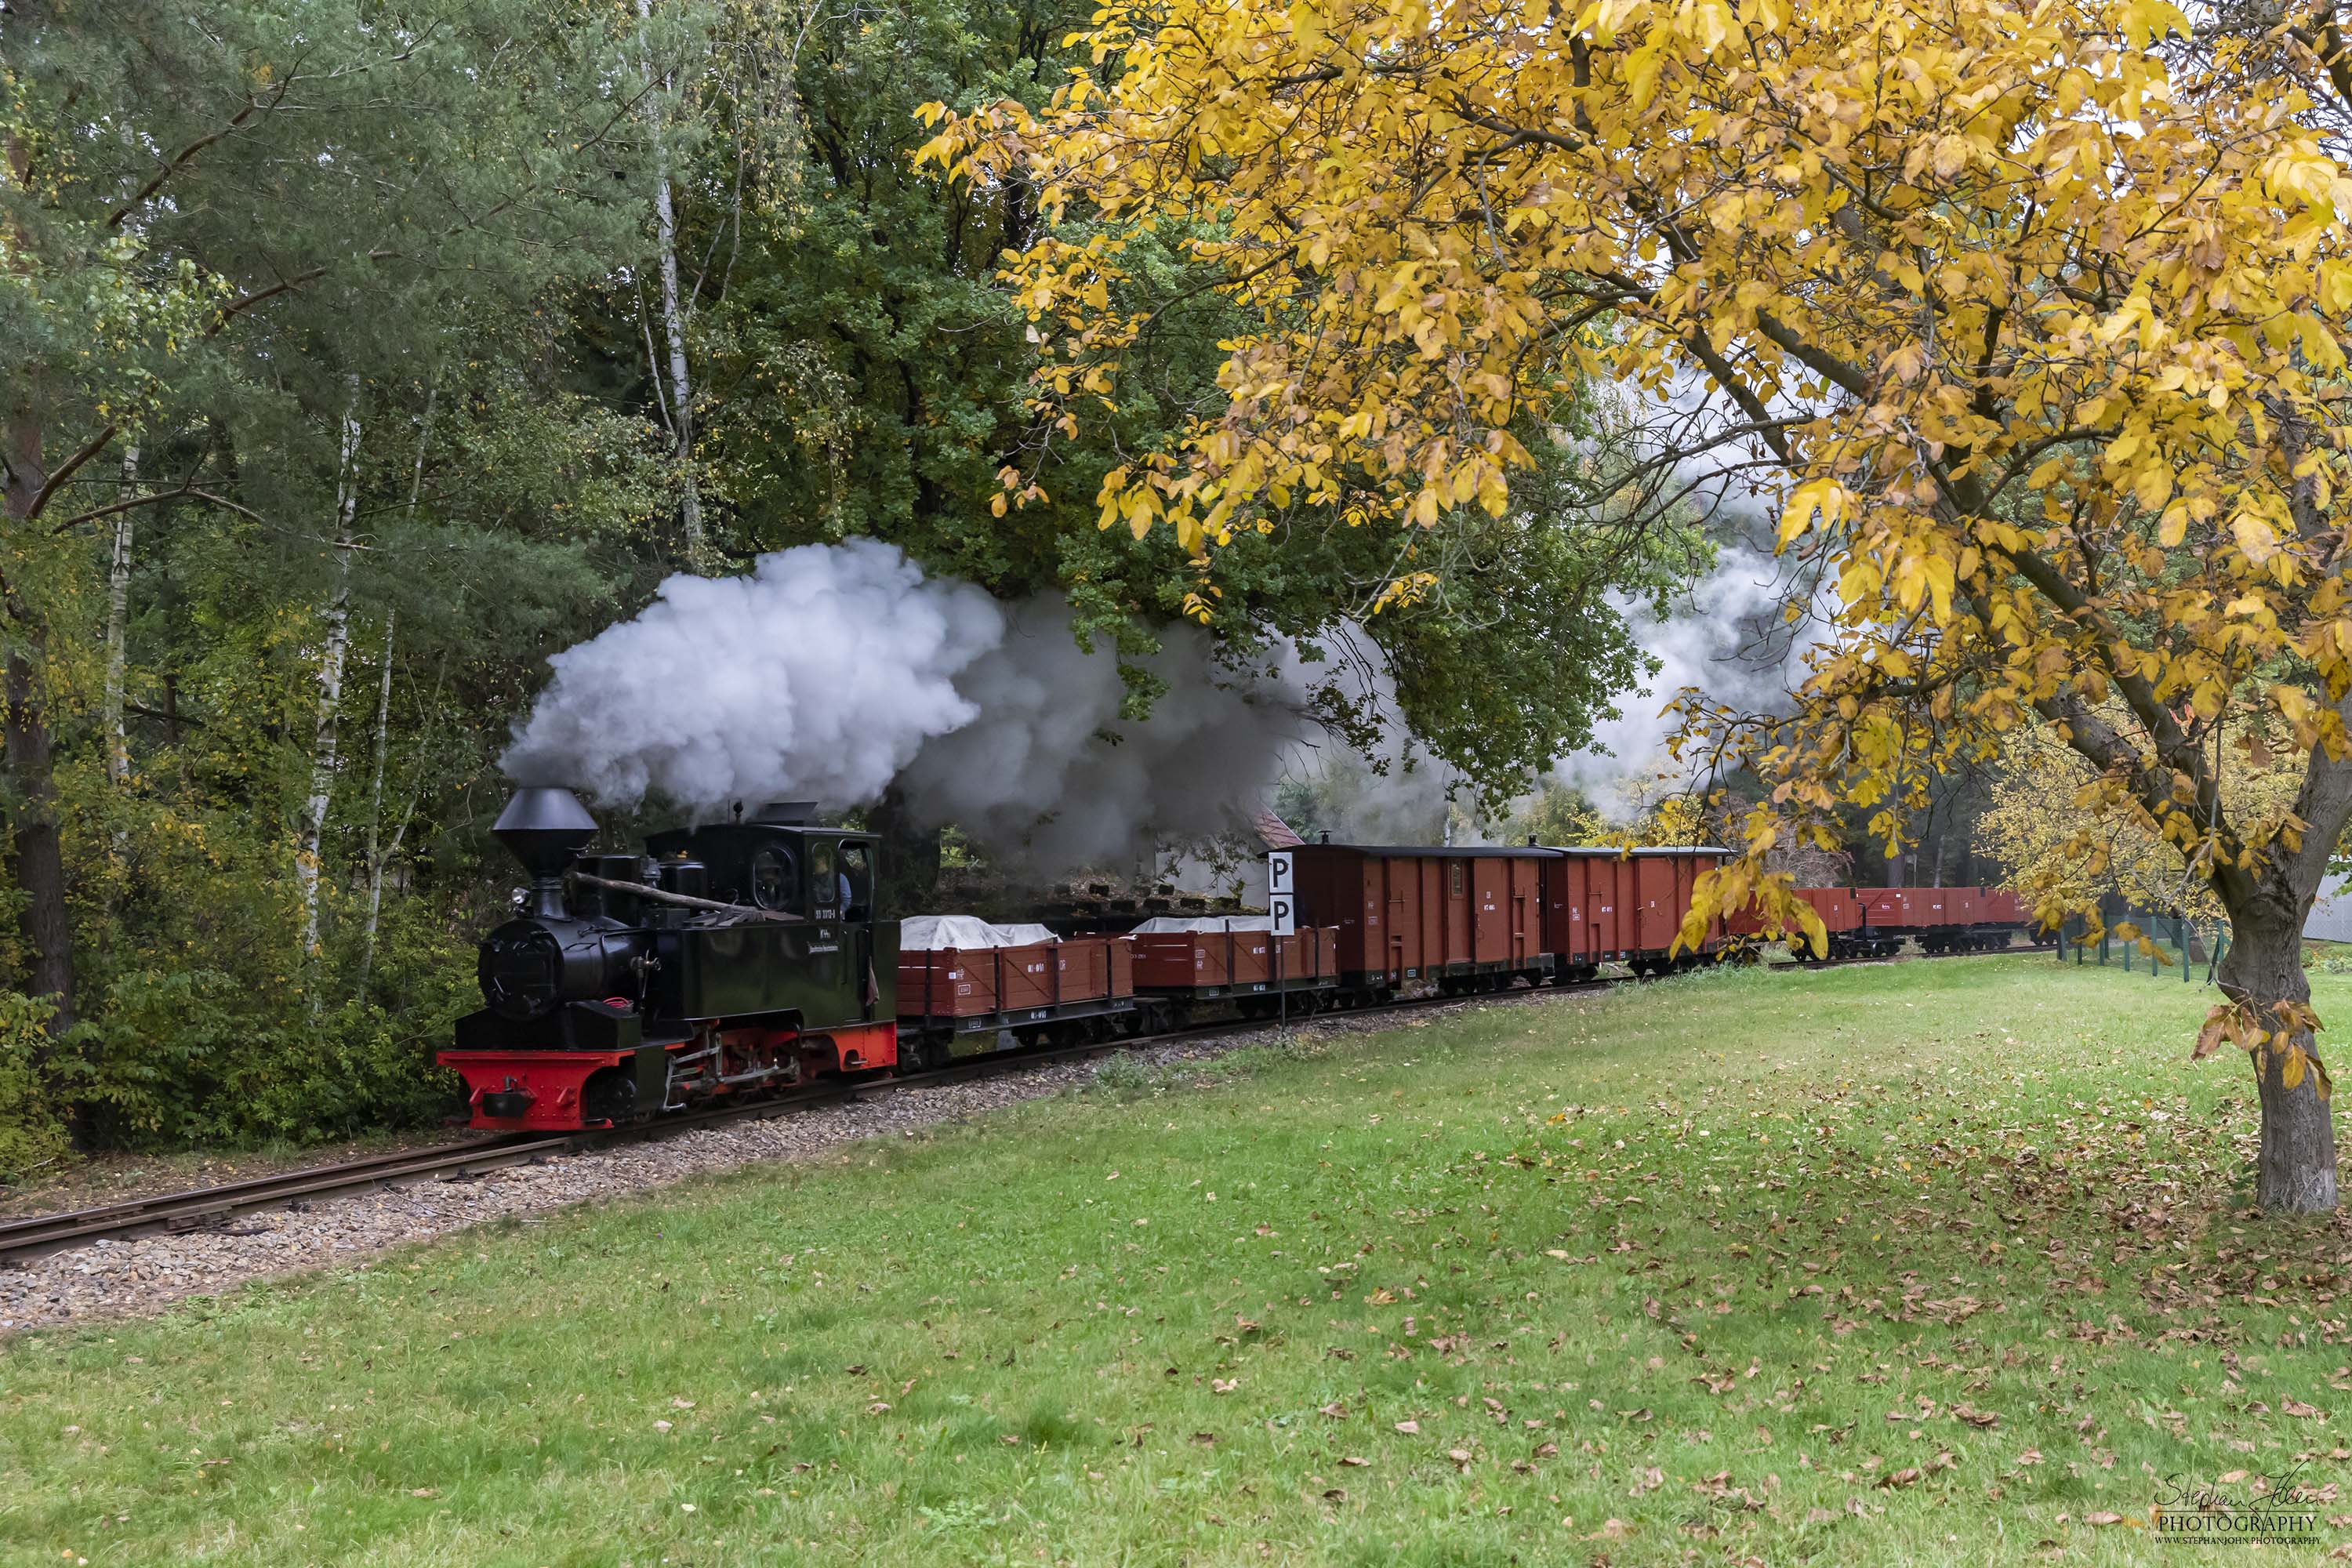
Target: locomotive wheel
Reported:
[(610, 1095)]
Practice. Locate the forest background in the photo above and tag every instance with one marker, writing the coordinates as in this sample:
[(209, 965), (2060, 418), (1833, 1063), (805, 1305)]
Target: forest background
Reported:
[(359, 355)]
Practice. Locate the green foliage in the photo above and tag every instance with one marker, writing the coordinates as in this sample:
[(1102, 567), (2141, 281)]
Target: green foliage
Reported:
[(1555, 813), (356, 271), (171, 1056), (32, 1124)]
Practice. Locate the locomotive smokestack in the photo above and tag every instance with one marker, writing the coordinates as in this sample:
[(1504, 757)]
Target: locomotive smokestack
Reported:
[(545, 829)]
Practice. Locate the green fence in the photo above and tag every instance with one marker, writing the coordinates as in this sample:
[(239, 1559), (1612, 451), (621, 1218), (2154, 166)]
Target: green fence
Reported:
[(2191, 949)]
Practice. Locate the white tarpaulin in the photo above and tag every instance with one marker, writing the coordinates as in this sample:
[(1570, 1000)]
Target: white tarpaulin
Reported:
[(935, 933), (1204, 922)]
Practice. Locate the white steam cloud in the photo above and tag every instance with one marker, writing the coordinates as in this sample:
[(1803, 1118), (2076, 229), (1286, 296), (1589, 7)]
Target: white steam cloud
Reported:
[(1728, 637), (818, 676), (832, 670)]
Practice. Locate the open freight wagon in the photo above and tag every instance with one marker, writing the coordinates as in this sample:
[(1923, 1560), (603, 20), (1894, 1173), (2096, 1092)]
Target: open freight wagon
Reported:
[(1237, 960), (966, 986), (1875, 922)]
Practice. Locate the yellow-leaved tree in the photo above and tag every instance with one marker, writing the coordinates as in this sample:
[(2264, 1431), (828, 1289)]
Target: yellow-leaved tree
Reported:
[(2067, 834), (2029, 314)]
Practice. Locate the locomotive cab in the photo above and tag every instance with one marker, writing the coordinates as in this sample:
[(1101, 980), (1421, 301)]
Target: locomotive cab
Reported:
[(822, 957)]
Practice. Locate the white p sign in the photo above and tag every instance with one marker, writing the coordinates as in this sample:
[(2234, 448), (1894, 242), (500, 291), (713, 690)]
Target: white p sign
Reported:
[(1283, 912), (1278, 873)]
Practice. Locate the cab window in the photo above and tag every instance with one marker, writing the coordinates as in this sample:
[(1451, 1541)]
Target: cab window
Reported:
[(775, 879), (824, 889), (856, 875)]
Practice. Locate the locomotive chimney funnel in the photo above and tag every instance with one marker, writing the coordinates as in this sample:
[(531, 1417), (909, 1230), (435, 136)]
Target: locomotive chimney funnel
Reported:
[(545, 829)]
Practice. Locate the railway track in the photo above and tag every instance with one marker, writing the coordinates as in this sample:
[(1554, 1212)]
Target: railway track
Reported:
[(213, 1207)]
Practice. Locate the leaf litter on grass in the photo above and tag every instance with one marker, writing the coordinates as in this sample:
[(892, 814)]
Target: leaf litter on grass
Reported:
[(1983, 1280)]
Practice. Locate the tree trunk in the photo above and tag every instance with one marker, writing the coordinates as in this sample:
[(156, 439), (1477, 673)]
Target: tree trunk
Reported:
[(2295, 1170), (40, 858), (681, 390), (118, 624), (24, 739), (330, 683), (375, 804), (424, 439)]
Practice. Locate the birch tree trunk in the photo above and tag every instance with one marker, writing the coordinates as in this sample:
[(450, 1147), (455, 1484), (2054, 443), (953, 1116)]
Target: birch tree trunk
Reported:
[(681, 387), (331, 682), (118, 622), (376, 848), (417, 475)]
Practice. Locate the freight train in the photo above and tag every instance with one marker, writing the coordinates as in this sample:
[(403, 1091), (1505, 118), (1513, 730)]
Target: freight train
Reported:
[(1874, 922), (740, 958)]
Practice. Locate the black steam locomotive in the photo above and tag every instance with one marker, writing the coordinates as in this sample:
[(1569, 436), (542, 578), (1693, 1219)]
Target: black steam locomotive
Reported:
[(729, 959)]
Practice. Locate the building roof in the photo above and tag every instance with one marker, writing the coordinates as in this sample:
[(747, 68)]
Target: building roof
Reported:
[(1275, 833)]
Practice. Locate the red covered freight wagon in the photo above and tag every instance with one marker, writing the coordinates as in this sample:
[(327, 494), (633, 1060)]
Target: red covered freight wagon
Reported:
[(1624, 906), (1460, 918)]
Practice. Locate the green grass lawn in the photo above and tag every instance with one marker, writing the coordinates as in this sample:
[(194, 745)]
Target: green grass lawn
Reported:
[(1941, 1262)]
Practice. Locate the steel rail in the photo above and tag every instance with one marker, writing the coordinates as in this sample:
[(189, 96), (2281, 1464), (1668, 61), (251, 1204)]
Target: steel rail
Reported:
[(203, 1208)]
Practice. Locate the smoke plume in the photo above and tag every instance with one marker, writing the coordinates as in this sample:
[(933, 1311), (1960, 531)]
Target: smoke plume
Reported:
[(832, 670), (1050, 774)]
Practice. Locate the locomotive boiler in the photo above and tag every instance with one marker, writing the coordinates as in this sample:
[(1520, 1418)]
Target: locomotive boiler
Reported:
[(729, 958)]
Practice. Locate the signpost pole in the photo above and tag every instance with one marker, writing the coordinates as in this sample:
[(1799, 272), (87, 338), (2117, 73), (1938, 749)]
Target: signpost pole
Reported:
[(1282, 920)]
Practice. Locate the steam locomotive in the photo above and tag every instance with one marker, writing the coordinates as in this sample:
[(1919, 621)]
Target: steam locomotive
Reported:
[(636, 991)]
